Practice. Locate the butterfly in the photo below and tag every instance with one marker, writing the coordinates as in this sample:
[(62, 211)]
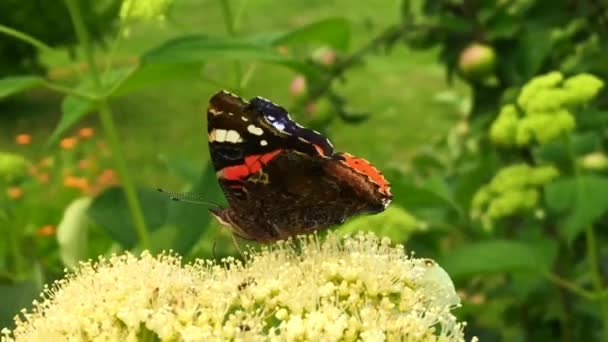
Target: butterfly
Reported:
[(281, 179)]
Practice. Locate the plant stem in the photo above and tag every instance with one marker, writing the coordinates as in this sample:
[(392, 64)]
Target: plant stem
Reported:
[(231, 30), (119, 34), (572, 287), (69, 91), (596, 275), (107, 121), (25, 38)]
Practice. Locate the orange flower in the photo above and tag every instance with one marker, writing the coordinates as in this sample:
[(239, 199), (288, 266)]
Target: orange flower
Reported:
[(23, 139), (47, 162), (86, 132), (76, 182), (85, 164), (14, 192), (44, 177), (107, 177), (68, 143), (46, 230), (33, 170)]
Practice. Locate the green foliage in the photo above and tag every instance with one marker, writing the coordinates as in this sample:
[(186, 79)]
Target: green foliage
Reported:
[(582, 199), (495, 256), (46, 21)]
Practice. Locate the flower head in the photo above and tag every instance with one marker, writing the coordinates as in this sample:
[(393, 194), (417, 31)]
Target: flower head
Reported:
[(86, 132), (340, 289), (514, 189), (544, 109), (23, 139), (68, 143)]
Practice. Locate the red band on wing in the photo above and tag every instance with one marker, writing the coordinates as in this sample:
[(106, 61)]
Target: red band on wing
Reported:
[(363, 166), (251, 165)]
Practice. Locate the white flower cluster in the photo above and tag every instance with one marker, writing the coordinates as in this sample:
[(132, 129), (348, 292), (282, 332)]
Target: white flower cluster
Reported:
[(347, 289)]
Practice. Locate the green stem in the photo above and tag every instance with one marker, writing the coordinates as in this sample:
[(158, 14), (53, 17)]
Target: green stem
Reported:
[(69, 91), (119, 34), (231, 30), (25, 38), (596, 276), (572, 287), (107, 121)]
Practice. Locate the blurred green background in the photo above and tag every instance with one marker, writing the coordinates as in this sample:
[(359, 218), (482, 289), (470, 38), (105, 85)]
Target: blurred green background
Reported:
[(488, 118)]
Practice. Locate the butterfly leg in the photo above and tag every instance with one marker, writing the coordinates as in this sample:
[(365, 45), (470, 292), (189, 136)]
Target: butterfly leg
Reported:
[(236, 244)]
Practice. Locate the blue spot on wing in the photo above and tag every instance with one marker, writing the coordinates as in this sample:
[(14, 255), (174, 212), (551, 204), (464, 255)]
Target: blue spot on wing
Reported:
[(279, 118)]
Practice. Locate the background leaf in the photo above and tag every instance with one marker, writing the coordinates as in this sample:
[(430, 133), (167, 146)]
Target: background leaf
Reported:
[(583, 199), (192, 219), (201, 48), (111, 212), (499, 256), (17, 84), (72, 232), (334, 32)]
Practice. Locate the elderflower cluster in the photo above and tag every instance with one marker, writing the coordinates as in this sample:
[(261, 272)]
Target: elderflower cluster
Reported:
[(513, 189), (353, 288), (12, 167), (543, 110)]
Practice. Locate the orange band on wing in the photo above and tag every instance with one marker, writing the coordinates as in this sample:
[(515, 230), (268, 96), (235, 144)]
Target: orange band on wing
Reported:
[(363, 166), (252, 165)]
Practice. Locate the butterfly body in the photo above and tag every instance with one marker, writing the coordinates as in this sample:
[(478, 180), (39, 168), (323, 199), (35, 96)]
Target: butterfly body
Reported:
[(281, 179)]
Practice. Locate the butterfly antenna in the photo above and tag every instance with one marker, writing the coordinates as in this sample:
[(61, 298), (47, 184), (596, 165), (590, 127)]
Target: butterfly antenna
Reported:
[(187, 197)]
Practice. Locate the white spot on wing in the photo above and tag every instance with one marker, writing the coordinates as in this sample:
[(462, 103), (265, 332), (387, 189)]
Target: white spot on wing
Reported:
[(244, 118), (212, 136), (255, 130), (220, 135), (263, 142), (214, 111), (233, 137)]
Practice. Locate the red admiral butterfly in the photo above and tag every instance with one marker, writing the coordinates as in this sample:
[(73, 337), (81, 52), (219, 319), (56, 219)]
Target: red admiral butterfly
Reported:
[(282, 179)]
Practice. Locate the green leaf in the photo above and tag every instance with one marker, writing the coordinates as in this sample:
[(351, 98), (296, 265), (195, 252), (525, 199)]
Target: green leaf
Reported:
[(73, 110), (499, 256), (118, 82), (454, 23), (200, 48), (72, 232), (582, 198), (535, 46), (502, 26), (334, 32), (111, 212), (134, 78), (192, 219), (17, 84), (433, 194), (15, 297)]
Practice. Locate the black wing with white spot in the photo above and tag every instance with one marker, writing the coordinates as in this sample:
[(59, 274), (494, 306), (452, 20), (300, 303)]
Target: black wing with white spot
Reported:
[(279, 118)]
